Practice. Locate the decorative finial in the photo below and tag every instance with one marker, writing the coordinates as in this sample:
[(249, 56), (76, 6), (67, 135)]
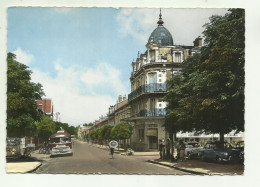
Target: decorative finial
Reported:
[(160, 22)]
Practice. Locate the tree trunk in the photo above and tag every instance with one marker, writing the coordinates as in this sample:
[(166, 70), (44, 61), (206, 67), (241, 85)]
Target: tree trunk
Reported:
[(221, 138), (171, 143)]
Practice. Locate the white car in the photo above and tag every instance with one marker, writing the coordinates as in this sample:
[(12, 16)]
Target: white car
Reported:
[(192, 149)]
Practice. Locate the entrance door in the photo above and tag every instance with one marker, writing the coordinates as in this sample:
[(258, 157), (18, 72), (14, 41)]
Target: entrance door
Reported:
[(153, 142)]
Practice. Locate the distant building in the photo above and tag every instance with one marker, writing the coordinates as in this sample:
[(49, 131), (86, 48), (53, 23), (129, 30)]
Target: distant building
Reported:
[(45, 106), (83, 131)]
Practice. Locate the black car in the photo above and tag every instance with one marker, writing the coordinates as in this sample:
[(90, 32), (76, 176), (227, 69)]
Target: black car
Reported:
[(220, 152)]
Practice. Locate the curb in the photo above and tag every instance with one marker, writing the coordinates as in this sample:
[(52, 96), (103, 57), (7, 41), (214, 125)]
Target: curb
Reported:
[(32, 170), (181, 169)]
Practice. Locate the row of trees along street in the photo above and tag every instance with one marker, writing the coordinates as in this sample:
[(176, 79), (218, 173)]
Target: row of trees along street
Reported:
[(23, 118), (209, 94), (121, 131)]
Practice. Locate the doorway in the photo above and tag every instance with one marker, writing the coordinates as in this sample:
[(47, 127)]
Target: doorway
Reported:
[(153, 142)]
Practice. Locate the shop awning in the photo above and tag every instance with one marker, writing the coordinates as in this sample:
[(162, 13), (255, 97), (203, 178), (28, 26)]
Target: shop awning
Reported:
[(152, 132)]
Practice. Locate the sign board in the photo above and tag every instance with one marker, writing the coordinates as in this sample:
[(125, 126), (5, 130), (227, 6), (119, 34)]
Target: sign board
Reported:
[(113, 144)]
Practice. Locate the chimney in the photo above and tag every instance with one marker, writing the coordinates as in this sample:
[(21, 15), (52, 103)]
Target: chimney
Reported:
[(124, 98), (198, 42), (120, 98)]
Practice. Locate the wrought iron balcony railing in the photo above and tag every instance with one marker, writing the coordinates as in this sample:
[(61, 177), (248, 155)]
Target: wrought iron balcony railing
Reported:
[(153, 112), (148, 88)]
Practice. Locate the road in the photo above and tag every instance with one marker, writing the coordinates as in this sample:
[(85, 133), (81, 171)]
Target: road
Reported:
[(92, 160)]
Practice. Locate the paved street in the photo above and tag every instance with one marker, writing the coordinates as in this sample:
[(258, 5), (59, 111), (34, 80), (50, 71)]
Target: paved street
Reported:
[(92, 160)]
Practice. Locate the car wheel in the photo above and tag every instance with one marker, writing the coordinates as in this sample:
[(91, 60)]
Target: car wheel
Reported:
[(188, 155), (218, 159)]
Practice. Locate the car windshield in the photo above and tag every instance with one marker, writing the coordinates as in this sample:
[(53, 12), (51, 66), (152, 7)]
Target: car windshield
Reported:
[(55, 140)]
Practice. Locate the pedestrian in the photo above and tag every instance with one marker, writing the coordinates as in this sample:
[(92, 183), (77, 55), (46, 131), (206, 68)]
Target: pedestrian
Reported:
[(160, 148), (181, 148), (163, 149), (112, 151), (112, 145), (167, 147)]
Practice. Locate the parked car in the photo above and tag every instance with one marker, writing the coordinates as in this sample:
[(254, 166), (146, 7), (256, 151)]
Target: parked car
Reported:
[(192, 149), (240, 148), (220, 152)]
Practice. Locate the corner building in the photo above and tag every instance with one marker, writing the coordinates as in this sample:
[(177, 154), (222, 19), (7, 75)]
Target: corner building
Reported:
[(151, 70)]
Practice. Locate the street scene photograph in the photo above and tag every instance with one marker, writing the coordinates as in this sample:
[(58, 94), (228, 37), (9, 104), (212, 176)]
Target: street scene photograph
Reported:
[(133, 91)]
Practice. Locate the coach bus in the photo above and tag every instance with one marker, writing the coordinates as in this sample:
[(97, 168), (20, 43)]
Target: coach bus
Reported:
[(60, 143)]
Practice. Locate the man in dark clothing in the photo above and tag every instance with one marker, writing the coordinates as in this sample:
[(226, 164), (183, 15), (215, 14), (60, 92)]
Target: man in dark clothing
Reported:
[(167, 147), (160, 148)]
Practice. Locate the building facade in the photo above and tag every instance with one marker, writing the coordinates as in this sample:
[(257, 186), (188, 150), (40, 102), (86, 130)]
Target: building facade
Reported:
[(46, 107), (151, 71)]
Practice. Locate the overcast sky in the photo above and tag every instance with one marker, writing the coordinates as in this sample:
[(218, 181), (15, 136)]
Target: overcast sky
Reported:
[(83, 56)]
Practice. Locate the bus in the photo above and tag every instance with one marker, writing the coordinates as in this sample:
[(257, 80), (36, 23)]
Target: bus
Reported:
[(60, 143)]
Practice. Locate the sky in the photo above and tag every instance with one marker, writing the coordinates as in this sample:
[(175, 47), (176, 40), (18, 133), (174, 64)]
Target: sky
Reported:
[(82, 56)]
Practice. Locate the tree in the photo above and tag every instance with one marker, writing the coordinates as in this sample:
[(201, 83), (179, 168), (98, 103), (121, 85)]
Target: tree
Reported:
[(21, 99), (105, 132), (209, 95), (121, 131), (46, 127), (88, 124), (69, 129)]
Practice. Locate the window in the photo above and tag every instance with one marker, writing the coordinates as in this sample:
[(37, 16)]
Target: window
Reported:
[(160, 75), (177, 57), (160, 105), (160, 80)]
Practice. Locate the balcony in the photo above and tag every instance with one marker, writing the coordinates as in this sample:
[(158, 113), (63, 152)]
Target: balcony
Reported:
[(148, 88), (153, 112)]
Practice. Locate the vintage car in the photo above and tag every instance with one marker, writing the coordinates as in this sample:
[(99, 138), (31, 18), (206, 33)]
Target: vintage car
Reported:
[(220, 152), (60, 144), (192, 149)]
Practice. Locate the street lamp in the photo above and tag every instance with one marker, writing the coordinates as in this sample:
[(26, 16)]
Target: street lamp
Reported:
[(57, 115)]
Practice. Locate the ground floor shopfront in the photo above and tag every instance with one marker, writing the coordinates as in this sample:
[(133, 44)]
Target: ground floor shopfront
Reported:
[(146, 133)]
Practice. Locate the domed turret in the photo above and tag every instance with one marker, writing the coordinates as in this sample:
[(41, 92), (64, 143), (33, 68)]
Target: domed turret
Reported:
[(161, 35)]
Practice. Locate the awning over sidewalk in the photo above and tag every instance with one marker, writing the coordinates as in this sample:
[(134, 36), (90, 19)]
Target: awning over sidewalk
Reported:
[(152, 132)]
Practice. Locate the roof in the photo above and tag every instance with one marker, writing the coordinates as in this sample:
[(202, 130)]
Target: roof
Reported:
[(161, 35), (46, 105), (60, 134)]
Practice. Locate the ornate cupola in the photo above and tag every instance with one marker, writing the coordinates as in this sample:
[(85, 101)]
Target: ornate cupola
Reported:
[(161, 35)]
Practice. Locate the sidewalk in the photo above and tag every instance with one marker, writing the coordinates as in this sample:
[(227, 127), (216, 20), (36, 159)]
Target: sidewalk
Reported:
[(26, 165), (199, 167)]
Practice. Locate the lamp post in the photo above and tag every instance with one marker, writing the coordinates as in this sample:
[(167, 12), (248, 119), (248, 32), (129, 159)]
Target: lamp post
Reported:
[(57, 115)]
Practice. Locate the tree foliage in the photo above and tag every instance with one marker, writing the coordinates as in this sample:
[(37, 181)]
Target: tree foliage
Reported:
[(21, 99), (121, 131), (46, 127), (209, 95), (69, 129)]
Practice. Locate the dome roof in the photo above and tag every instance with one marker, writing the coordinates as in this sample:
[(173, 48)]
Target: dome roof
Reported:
[(161, 35)]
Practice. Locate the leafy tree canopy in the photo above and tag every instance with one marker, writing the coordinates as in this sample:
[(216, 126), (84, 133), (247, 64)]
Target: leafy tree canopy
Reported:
[(21, 99), (69, 129), (209, 95), (46, 127), (121, 131)]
